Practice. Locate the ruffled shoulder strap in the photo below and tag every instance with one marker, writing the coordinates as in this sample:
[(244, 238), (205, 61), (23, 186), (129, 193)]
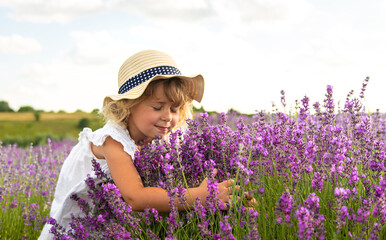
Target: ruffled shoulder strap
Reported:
[(113, 130)]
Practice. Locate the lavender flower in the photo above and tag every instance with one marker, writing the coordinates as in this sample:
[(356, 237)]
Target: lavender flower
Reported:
[(284, 207)]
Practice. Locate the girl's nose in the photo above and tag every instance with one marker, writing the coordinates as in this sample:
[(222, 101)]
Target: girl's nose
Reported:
[(167, 115)]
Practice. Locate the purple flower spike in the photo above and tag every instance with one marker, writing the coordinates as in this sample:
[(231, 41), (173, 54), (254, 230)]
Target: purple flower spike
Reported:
[(284, 207)]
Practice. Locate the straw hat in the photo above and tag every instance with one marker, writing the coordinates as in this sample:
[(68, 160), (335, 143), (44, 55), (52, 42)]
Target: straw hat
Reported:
[(147, 66)]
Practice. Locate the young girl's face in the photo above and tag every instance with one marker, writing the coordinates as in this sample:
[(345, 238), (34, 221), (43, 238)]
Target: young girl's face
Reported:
[(155, 116)]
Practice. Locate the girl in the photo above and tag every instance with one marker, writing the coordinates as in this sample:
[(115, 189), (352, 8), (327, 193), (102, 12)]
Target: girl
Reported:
[(154, 98)]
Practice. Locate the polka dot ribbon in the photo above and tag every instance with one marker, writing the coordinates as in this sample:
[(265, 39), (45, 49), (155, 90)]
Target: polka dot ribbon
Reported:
[(146, 75)]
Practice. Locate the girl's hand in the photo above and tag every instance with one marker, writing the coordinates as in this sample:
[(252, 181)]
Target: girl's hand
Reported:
[(225, 191), (224, 188), (251, 201)]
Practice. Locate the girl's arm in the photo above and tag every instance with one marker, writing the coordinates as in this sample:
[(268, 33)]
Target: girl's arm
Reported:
[(128, 181)]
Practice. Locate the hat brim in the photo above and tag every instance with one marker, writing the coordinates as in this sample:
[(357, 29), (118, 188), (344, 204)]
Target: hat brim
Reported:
[(195, 86)]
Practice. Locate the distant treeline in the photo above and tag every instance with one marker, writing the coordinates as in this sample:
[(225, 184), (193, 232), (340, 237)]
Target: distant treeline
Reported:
[(4, 107)]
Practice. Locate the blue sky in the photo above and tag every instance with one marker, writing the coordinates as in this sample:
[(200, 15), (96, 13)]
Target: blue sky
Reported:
[(65, 54)]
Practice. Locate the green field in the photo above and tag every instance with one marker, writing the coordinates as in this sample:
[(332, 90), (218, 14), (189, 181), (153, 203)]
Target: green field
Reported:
[(23, 129)]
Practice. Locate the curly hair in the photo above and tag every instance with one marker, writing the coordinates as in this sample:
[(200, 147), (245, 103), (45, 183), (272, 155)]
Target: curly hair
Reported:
[(175, 90)]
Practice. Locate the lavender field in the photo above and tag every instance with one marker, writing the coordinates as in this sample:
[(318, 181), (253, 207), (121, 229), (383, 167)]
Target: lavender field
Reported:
[(316, 173)]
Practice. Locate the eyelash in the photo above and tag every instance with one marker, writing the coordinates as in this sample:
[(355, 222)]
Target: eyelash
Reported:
[(159, 108)]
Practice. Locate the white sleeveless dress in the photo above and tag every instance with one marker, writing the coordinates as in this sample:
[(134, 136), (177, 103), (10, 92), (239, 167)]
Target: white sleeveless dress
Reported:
[(75, 169)]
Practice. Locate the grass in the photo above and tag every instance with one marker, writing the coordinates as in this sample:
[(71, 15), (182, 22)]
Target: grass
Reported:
[(23, 129)]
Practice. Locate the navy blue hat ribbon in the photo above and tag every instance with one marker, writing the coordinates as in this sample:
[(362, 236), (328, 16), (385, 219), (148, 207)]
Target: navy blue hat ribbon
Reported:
[(146, 75)]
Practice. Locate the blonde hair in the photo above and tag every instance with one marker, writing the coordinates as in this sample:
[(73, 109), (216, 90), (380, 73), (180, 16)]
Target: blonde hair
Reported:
[(175, 90)]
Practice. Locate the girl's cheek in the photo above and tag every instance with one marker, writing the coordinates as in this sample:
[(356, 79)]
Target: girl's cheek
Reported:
[(175, 120)]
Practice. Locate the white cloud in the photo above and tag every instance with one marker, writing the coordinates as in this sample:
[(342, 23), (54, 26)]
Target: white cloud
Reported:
[(101, 48), (265, 10), (17, 44), (187, 11), (237, 16), (182, 10), (46, 11), (382, 10), (92, 47)]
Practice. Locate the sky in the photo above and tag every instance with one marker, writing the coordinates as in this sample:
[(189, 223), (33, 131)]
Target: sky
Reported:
[(65, 54)]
